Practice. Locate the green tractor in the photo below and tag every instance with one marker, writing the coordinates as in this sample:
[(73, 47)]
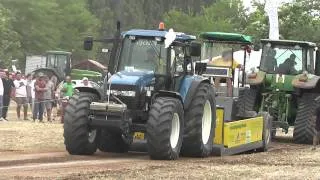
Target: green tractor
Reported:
[(285, 85), (58, 64)]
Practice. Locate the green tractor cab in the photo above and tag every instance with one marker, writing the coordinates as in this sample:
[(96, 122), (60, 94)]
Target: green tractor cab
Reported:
[(216, 45), (58, 64), (285, 85), (235, 131)]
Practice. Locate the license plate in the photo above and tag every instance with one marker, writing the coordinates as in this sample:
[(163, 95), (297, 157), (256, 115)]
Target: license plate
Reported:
[(138, 135)]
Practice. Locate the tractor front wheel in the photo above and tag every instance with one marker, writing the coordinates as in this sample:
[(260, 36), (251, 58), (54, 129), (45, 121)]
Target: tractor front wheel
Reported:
[(165, 129), (79, 137)]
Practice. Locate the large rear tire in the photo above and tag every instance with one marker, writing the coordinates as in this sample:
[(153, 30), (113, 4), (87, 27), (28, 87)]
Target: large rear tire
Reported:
[(165, 129), (304, 124), (199, 123), (79, 137), (112, 142), (247, 100)]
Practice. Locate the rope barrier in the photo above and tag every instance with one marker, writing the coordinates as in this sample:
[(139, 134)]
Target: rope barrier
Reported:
[(51, 100)]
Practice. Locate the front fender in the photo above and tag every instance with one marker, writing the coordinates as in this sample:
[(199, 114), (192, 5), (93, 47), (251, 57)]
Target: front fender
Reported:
[(192, 90), (94, 90), (310, 83), (172, 94)]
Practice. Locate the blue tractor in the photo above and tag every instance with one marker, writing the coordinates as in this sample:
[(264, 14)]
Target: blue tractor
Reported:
[(152, 94)]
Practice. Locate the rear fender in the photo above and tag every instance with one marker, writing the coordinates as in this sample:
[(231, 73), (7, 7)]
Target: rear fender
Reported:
[(309, 82), (258, 79)]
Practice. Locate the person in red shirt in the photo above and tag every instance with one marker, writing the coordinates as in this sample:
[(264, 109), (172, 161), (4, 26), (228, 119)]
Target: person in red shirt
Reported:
[(40, 88)]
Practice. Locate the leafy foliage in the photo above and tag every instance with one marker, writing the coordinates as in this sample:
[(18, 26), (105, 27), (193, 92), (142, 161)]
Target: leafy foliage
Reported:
[(35, 26)]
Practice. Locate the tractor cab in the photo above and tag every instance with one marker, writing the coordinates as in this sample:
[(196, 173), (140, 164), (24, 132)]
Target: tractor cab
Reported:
[(283, 60), (60, 61), (219, 63), (225, 55), (152, 61), (58, 64)]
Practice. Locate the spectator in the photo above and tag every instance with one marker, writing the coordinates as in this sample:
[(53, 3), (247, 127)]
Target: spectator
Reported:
[(30, 91), (40, 88), (21, 96), (1, 97), (7, 90), (67, 90), (48, 97), (85, 82)]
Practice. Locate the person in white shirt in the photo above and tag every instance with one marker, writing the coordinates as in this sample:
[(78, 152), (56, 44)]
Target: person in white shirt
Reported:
[(21, 95), (1, 96)]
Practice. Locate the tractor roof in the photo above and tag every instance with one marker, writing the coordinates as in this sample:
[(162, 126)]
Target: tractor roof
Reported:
[(289, 42), (227, 37), (58, 52), (156, 33)]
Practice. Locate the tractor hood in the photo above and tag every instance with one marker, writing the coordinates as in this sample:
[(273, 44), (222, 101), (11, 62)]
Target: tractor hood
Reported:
[(133, 78)]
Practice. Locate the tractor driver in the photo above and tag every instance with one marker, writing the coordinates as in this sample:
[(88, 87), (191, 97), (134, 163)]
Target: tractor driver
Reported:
[(272, 61), (152, 62), (287, 67), (226, 61)]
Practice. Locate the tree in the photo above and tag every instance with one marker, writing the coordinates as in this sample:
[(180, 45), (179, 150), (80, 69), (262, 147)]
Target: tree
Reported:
[(76, 22), (300, 20), (227, 16), (49, 25), (258, 23), (9, 42)]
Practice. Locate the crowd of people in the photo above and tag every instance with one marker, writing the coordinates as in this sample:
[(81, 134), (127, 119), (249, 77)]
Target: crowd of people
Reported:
[(35, 92)]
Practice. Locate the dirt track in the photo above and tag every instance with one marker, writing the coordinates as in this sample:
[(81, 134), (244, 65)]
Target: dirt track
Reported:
[(36, 151), (284, 160)]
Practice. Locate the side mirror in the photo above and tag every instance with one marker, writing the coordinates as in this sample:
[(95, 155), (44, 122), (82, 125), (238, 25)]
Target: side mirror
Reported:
[(88, 43), (195, 49)]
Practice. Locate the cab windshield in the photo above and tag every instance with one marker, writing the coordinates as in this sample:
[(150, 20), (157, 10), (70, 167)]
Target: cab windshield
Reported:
[(282, 59), (143, 55), (218, 54), (57, 61)]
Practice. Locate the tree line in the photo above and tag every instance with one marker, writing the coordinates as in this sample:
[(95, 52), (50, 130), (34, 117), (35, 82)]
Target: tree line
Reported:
[(30, 27)]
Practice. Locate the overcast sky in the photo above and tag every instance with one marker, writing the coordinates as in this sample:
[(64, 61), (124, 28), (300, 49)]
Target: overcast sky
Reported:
[(247, 3)]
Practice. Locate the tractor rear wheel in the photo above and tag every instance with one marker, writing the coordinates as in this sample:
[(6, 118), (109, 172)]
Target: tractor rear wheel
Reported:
[(165, 129), (305, 123), (79, 138), (112, 142), (199, 123), (247, 100)]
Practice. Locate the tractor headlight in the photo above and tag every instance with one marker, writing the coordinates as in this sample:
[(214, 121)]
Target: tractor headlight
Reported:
[(122, 93)]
